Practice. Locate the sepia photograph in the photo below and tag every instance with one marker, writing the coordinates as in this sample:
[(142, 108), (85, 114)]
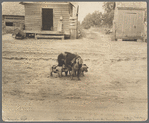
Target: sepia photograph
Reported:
[(74, 61)]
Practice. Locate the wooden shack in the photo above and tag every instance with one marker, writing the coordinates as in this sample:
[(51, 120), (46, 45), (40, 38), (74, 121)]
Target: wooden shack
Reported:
[(128, 21), (12, 16), (49, 19)]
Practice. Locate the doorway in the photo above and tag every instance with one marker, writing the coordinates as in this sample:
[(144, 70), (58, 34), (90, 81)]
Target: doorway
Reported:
[(130, 24), (47, 19)]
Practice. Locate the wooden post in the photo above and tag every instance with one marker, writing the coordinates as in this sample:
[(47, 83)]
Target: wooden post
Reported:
[(113, 38), (35, 36), (73, 27), (77, 27)]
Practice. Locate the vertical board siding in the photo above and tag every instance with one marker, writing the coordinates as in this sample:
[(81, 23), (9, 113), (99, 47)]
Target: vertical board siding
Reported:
[(33, 16), (125, 22)]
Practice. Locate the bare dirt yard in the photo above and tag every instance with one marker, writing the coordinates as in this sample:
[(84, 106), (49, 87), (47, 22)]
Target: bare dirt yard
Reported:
[(114, 88)]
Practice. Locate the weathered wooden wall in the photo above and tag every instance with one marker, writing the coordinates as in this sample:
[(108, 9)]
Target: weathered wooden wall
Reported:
[(128, 25), (33, 16), (3, 25), (17, 21)]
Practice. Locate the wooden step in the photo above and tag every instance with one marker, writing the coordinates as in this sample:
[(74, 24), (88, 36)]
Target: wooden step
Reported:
[(49, 37), (42, 32)]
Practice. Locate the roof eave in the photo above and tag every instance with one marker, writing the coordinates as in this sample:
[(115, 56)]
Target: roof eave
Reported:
[(130, 8), (23, 3)]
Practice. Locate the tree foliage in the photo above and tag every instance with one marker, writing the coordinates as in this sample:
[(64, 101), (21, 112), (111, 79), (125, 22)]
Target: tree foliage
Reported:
[(108, 6), (108, 18), (108, 15), (99, 19), (93, 19)]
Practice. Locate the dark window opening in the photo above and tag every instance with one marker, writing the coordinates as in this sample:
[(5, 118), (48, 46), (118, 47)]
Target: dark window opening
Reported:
[(15, 18), (9, 23)]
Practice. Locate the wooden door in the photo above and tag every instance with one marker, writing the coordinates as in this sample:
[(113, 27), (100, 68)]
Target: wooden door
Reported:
[(47, 19), (130, 24)]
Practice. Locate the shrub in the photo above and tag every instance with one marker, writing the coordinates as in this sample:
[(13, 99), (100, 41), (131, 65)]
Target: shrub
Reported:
[(81, 31)]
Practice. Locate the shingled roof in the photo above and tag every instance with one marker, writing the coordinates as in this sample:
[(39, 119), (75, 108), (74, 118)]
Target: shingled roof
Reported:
[(13, 8)]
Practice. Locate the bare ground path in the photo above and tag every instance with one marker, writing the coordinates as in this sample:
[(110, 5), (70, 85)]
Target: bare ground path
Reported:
[(115, 88)]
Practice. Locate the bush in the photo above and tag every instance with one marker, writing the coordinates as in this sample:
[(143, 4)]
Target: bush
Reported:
[(91, 20), (81, 31)]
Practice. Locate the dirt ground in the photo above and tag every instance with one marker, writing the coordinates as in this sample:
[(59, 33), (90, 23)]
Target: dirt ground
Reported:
[(114, 88)]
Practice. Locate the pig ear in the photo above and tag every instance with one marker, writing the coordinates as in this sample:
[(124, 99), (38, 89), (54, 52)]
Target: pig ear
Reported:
[(73, 61), (80, 61)]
